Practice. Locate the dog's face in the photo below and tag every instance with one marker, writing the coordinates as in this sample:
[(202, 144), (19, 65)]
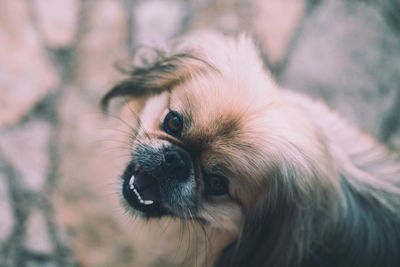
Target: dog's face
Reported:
[(196, 154), (214, 138)]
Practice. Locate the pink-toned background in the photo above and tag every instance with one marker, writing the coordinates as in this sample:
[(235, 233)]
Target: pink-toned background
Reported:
[(59, 162)]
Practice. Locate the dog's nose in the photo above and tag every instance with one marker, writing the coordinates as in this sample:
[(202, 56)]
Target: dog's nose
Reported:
[(176, 164)]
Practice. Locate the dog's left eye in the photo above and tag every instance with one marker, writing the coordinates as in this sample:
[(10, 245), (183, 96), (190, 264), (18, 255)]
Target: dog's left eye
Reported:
[(173, 123), (216, 185)]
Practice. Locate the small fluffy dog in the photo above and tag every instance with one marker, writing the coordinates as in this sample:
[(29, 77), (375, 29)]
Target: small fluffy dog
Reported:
[(272, 177)]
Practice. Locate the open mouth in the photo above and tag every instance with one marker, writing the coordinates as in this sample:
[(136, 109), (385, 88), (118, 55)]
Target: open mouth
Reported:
[(138, 195), (142, 191)]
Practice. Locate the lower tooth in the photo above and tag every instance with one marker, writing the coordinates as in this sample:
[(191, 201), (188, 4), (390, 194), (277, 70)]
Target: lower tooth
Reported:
[(148, 202), (131, 182), (131, 186)]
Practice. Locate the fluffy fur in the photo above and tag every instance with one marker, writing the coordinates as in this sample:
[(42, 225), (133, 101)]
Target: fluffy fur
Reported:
[(305, 188)]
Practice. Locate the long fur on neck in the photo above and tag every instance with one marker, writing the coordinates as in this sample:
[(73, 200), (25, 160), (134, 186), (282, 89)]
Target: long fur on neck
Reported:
[(354, 224)]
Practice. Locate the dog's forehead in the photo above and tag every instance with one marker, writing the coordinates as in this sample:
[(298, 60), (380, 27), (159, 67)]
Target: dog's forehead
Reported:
[(211, 110), (214, 100)]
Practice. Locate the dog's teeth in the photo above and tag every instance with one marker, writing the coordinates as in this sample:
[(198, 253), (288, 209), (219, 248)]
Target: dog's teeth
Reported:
[(131, 186), (137, 194), (148, 202)]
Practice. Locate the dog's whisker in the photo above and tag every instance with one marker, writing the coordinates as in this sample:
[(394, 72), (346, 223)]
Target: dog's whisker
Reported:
[(260, 177), (138, 120)]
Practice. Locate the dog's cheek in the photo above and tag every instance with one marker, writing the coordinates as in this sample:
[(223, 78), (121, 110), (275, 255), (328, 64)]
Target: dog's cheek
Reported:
[(225, 215)]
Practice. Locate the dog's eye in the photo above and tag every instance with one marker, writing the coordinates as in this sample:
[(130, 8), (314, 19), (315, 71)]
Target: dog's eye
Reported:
[(216, 185), (173, 123)]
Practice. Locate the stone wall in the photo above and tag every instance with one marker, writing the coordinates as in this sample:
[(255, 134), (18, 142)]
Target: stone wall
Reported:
[(58, 162)]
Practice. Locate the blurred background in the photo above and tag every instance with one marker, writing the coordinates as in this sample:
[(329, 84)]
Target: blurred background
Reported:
[(59, 164)]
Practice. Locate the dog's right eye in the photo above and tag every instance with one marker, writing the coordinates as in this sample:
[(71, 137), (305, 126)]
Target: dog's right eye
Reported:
[(173, 123), (216, 185)]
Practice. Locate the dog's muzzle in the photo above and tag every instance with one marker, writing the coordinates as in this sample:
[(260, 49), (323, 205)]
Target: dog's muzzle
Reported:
[(159, 181)]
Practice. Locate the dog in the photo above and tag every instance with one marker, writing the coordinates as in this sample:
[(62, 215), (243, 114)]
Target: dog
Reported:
[(272, 177)]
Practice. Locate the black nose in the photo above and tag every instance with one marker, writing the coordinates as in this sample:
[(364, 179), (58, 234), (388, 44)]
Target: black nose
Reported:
[(176, 164)]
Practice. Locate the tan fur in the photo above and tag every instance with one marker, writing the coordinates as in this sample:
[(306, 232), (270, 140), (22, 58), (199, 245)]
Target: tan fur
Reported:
[(260, 137)]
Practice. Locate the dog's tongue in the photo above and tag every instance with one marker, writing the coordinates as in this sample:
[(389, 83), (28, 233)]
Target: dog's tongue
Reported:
[(147, 185)]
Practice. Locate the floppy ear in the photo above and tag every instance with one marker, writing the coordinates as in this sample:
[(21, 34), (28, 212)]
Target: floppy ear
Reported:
[(153, 78), (267, 237), (281, 227)]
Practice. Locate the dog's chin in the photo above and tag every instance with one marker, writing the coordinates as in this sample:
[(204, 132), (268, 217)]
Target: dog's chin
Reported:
[(142, 193)]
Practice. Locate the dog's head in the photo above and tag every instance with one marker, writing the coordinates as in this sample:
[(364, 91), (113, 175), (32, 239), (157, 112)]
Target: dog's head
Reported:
[(215, 140)]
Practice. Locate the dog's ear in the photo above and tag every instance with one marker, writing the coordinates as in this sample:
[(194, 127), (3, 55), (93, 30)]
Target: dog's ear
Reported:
[(279, 228), (160, 75), (263, 238)]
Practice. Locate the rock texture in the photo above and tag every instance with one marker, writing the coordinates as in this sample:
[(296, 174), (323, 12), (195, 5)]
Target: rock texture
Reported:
[(26, 75), (26, 147), (350, 60), (57, 20), (7, 216)]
